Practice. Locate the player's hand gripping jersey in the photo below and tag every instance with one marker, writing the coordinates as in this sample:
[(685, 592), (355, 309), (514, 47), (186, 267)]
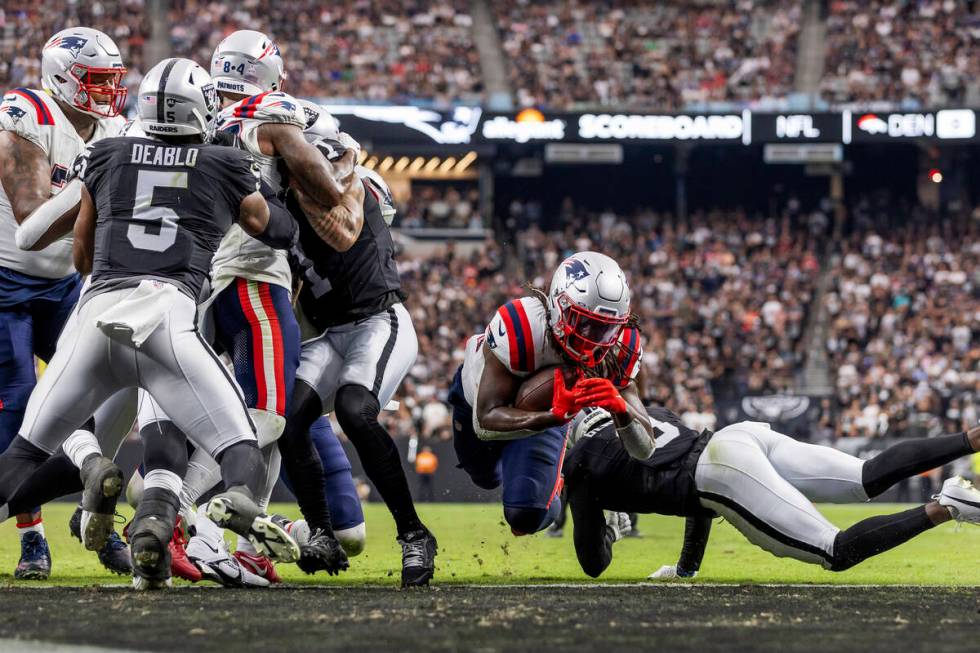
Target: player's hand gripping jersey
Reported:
[(240, 255), (35, 116), (518, 335)]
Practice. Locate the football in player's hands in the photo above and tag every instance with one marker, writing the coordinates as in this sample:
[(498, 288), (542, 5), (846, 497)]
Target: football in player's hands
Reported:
[(537, 391)]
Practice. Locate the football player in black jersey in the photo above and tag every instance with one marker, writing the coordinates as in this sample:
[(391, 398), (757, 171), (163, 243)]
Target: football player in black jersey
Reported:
[(366, 344), (760, 481), (152, 214)]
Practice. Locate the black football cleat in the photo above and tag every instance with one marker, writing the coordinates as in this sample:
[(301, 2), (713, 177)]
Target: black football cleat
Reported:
[(103, 483), (419, 549), (35, 558), (322, 553), (114, 555), (235, 510), (150, 538)]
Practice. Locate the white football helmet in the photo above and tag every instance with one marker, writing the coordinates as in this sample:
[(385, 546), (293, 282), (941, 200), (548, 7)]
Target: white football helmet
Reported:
[(247, 63), (319, 122), (82, 67), (588, 305), (177, 98)]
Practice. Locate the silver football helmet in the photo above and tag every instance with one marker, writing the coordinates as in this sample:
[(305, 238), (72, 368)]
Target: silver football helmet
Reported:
[(247, 63), (177, 98), (82, 67), (588, 305)]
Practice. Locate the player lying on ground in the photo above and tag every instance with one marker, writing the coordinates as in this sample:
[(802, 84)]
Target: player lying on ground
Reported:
[(579, 323), (136, 322), (760, 481)]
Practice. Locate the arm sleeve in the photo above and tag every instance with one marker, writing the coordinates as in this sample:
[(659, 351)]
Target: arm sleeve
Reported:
[(593, 539), (282, 232), (696, 532)]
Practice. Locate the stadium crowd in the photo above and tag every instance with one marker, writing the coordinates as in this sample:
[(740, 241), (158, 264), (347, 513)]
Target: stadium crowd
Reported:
[(440, 206), (25, 26), (391, 50), (655, 56), (915, 53), (905, 309)]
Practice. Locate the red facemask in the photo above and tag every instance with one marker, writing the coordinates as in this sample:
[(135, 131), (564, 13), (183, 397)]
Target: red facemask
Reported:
[(586, 336), (112, 92)]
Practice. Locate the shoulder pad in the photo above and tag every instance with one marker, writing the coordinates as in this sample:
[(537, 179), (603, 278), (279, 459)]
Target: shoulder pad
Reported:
[(515, 336), (628, 353), (25, 113), (274, 107)]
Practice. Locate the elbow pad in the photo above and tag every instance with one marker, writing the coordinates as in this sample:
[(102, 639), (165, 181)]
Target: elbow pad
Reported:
[(40, 220)]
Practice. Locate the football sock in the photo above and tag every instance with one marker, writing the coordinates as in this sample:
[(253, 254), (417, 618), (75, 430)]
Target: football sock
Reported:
[(17, 464), (876, 535), (300, 458), (357, 412), (34, 525), (242, 466), (909, 458)]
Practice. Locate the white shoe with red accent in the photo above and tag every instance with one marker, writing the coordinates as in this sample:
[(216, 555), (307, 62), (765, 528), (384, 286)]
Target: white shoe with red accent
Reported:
[(258, 565)]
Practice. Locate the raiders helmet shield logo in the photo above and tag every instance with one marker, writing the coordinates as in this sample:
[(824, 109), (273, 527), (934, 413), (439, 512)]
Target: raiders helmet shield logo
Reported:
[(775, 408)]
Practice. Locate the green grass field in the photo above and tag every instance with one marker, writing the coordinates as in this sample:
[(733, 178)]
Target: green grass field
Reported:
[(476, 547)]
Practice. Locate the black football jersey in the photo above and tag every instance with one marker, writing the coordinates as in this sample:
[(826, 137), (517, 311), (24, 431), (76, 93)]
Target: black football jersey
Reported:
[(162, 209), (342, 287)]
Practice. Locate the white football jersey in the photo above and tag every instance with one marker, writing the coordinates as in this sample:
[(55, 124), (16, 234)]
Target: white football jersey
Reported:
[(34, 115), (518, 336), (240, 255)]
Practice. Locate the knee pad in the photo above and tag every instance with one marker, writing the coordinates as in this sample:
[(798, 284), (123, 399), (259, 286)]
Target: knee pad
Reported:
[(525, 521), (356, 409), (269, 425), (352, 539)]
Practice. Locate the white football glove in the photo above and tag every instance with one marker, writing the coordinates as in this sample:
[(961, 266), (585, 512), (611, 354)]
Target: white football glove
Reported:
[(620, 524), (349, 143), (669, 572)]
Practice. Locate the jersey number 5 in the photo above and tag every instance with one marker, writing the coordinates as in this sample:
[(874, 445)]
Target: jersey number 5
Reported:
[(162, 217)]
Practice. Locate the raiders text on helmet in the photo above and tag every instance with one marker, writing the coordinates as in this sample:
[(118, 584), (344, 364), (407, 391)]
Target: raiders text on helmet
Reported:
[(81, 66), (588, 304)]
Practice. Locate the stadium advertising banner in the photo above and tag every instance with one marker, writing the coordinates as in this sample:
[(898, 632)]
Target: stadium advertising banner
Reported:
[(467, 126)]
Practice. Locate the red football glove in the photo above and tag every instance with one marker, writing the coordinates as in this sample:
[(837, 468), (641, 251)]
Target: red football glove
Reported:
[(567, 402), (603, 394)]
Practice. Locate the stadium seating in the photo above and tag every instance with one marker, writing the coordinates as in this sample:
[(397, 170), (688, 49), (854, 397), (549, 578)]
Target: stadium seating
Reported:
[(653, 56), (904, 309)]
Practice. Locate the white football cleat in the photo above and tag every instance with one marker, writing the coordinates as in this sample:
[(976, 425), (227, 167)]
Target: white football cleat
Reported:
[(961, 498), (208, 551)]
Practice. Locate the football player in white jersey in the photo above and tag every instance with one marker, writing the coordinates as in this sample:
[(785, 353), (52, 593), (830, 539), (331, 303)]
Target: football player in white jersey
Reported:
[(41, 133), (582, 323)]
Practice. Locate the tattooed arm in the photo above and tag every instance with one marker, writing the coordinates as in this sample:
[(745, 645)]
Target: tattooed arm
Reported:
[(323, 181), (24, 173), (341, 225)]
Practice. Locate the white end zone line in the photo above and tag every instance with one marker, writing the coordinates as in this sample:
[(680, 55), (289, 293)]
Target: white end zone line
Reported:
[(8, 645)]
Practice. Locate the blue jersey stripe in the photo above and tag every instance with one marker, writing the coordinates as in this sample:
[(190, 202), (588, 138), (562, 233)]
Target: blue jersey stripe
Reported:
[(522, 338)]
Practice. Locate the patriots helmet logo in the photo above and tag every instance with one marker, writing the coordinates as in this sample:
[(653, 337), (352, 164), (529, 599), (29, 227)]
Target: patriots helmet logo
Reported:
[(73, 43), (575, 270), (16, 113), (288, 106)]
